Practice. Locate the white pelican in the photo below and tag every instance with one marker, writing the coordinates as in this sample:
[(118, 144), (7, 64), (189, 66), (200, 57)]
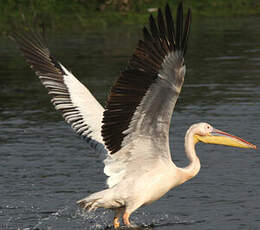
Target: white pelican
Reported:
[(136, 120)]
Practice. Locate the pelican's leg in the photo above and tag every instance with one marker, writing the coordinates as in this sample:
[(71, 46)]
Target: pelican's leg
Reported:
[(126, 219), (116, 222), (118, 213)]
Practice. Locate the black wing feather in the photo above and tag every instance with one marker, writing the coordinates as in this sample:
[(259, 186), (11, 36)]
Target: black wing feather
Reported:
[(179, 23), (170, 27), (141, 72)]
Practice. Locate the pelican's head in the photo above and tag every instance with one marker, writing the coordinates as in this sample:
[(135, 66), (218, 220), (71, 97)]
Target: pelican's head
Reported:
[(207, 134)]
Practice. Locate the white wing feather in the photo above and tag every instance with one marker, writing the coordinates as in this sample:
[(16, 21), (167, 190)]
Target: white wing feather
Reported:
[(77, 105), (88, 107)]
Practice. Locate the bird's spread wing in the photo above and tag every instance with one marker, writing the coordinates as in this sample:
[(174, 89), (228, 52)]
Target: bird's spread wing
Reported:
[(77, 105), (139, 108)]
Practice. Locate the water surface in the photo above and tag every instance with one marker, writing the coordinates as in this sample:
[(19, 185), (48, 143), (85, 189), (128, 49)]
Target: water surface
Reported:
[(45, 167)]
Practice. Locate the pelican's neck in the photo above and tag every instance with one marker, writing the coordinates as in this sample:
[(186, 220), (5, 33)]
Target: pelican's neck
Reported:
[(194, 166)]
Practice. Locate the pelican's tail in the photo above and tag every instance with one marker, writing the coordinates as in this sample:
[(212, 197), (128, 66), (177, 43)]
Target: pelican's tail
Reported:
[(96, 200), (92, 202)]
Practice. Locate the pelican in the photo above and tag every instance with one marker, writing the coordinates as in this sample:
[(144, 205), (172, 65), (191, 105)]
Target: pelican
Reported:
[(133, 129)]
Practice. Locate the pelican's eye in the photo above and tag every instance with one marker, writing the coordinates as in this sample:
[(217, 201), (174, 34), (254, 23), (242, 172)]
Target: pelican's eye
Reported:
[(208, 128)]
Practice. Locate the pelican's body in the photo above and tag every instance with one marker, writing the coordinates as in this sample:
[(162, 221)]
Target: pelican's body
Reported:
[(127, 193), (150, 182), (147, 185), (133, 130)]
